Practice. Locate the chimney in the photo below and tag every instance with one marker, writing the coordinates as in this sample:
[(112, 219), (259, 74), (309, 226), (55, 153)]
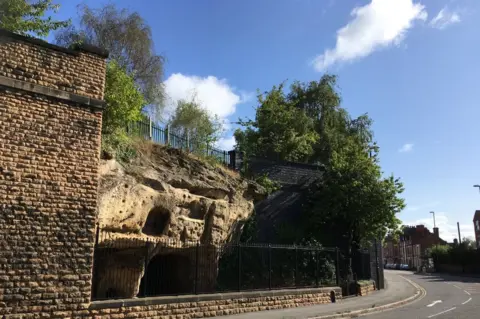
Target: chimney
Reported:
[(435, 232)]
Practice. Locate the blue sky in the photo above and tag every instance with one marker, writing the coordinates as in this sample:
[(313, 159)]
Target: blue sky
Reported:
[(412, 65)]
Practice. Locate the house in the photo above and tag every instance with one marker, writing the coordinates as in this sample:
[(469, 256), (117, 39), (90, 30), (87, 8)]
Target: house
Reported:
[(476, 227)]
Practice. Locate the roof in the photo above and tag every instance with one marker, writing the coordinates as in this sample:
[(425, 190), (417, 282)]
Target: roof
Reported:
[(476, 216)]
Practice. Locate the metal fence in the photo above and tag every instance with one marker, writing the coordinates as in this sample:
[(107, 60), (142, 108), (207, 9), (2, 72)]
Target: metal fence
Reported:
[(149, 131), (143, 267)]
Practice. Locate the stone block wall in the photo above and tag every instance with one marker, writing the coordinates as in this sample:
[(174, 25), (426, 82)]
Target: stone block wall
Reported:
[(202, 306), (50, 119), (366, 288)]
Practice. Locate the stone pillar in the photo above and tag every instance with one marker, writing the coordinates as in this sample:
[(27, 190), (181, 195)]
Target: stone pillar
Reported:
[(50, 118)]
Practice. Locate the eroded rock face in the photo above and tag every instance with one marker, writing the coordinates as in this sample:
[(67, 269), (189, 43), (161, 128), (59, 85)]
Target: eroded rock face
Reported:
[(163, 204)]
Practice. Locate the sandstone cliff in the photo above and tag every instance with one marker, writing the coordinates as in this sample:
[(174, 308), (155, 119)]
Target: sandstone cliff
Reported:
[(171, 200)]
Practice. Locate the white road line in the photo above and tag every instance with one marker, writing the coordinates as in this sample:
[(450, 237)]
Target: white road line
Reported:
[(434, 303), (467, 301), (467, 292), (441, 313), (457, 287)]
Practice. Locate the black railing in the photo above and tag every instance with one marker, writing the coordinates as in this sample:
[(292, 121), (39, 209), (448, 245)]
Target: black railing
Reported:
[(142, 267), (158, 135)]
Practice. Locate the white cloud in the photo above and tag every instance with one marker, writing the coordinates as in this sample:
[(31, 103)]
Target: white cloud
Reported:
[(216, 95), (226, 143), (444, 18), (373, 26), (447, 229), (426, 207), (406, 148)]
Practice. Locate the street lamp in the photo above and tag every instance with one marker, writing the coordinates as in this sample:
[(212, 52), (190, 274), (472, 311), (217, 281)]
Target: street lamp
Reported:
[(432, 212), (477, 186)]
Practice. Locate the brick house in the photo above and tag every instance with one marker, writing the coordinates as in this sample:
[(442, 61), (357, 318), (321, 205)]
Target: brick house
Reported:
[(414, 242), (476, 227)]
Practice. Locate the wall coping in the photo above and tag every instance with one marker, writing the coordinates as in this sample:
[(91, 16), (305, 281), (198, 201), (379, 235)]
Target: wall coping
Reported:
[(150, 301), (51, 92), (74, 50)]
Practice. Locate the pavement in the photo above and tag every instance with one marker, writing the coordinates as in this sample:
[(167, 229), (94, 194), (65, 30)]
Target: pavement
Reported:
[(397, 290)]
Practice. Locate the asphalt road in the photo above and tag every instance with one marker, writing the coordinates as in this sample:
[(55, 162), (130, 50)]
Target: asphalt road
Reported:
[(446, 297)]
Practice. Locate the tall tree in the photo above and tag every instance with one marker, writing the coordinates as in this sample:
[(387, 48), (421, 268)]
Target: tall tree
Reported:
[(192, 120), (280, 130), (28, 17), (128, 38)]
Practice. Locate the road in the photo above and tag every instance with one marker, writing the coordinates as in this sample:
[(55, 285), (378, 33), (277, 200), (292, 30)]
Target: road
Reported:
[(446, 297)]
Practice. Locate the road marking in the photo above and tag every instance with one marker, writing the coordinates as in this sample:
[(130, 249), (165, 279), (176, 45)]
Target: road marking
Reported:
[(434, 303), (467, 292), (441, 313), (467, 301), (457, 287)]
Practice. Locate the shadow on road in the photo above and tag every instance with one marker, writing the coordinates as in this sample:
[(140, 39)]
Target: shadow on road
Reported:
[(439, 277)]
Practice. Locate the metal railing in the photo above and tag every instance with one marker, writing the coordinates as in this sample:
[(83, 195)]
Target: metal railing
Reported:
[(147, 266), (150, 131)]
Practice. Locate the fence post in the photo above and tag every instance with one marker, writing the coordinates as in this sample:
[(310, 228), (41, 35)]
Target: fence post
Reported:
[(196, 268), (168, 134), (188, 141), (296, 265), (150, 128), (239, 267), (224, 157), (269, 267), (145, 265), (317, 272), (207, 150), (337, 266), (376, 265)]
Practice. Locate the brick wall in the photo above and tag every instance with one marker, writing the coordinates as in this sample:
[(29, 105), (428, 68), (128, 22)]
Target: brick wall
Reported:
[(49, 149), (212, 305)]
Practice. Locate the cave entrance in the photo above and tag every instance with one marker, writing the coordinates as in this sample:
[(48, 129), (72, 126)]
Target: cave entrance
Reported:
[(168, 274), (157, 222)]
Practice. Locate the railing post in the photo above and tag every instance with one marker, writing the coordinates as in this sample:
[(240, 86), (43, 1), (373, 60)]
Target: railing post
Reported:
[(168, 134), (337, 266), (145, 265), (150, 128), (317, 279), (269, 266), (296, 265), (196, 267), (239, 267)]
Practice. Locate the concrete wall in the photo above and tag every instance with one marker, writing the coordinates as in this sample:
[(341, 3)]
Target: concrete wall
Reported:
[(50, 119)]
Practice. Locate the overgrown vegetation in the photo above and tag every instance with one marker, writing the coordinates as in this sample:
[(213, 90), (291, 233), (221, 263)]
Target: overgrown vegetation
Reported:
[(353, 202), (464, 254), (28, 17)]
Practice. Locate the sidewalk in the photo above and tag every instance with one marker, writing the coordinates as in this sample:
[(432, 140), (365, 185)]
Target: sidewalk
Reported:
[(397, 289)]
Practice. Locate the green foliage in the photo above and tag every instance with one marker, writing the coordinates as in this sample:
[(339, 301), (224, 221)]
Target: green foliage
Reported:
[(353, 202), (124, 105), (124, 100), (195, 122), (461, 254), (26, 17), (128, 38), (269, 185), (118, 145), (280, 130)]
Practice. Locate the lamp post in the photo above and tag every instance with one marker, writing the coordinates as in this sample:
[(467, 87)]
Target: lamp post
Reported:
[(434, 225), (477, 186)]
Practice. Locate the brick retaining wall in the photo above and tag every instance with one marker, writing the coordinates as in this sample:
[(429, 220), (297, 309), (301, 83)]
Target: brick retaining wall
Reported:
[(50, 119)]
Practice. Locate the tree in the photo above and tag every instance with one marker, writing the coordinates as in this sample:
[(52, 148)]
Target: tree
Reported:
[(26, 17), (123, 98), (193, 121), (124, 104), (352, 203), (128, 38), (280, 130)]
